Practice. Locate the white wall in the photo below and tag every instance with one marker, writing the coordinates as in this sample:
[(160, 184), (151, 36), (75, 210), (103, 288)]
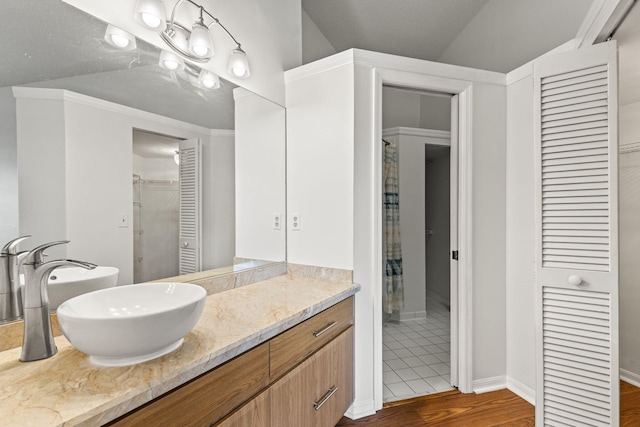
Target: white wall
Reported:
[(75, 169), (412, 216), (314, 44), (499, 36), (8, 168), (437, 190), (269, 31), (259, 177), (320, 168), (415, 110), (333, 163), (629, 177), (520, 223)]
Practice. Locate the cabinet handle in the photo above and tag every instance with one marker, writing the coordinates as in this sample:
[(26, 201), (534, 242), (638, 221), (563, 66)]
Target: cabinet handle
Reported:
[(325, 329), (327, 396)]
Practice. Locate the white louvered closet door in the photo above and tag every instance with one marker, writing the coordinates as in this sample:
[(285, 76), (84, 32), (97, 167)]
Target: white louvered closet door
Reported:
[(190, 206), (577, 237)]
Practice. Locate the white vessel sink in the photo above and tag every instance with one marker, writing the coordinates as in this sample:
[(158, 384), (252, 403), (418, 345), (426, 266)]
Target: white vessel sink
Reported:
[(68, 282), (131, 324)]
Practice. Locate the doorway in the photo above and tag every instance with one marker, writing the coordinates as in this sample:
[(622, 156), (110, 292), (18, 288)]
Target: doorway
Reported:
[(416, 337), (156, 206)]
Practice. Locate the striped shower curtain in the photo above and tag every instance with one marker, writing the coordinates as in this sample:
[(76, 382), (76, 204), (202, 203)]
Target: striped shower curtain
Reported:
[(394, 289)]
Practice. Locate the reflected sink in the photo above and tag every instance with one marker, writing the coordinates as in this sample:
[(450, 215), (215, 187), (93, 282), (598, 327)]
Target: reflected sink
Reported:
[(131, 324), (68, 282)]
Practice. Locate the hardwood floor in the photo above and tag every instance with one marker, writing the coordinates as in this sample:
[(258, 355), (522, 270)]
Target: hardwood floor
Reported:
[(498, 408)]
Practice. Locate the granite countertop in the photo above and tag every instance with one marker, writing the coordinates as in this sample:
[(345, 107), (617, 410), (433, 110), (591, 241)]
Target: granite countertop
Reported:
[(68, 390)]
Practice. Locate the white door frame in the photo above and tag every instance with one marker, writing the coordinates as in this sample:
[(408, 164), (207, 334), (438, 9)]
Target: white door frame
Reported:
[(461, 336)]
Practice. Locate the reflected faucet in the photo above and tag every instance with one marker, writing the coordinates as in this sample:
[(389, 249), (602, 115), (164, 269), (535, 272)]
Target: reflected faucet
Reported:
[(10, 293), (38, 340)]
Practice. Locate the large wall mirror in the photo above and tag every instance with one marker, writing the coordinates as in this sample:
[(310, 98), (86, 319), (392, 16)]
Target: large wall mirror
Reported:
[(88, 139)]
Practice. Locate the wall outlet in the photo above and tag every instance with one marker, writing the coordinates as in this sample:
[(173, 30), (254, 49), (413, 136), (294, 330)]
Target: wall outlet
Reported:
[(295, 222), (277, 221), (123, 220)]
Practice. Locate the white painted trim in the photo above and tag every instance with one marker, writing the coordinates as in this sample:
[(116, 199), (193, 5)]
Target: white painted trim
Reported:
[(602, 18), (89, 101), (630, 377), (465, 295), (419, 132), (392, 62), (522, 390), (487, 385), (361, 409)]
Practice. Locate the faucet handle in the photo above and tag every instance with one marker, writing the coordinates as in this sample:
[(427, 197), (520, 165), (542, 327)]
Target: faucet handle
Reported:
[(36, 255), (10, 247)]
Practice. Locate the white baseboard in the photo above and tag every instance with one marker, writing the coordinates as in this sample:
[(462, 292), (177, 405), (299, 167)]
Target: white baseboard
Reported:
[(361, 409), (630, 377), (522, 390), (408, 315), (486, 385)]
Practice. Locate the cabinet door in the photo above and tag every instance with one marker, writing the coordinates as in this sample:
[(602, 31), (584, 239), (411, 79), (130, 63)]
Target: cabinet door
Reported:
[(319, 391), (256, 413)]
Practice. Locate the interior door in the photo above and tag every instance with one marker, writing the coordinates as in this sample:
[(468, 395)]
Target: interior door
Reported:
[(190, 206), (576, 147)]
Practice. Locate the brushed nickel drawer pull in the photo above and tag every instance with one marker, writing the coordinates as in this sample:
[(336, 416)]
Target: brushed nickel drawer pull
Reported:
[(327, 396), (325, 329)]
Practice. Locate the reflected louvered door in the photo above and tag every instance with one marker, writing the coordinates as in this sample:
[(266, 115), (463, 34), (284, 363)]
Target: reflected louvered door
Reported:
[(190, 206), (577, 238)]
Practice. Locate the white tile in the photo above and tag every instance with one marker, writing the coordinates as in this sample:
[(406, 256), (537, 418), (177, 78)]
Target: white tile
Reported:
[(386, 367), (429, 359), (443, 357), (397, 364), (432, 349), (394, 345), (387, 393), (390, 377), (407, 374), (441, 368), (445, 347), (409, 343), (389, 355), (413, 361), (400, 389), (438, 383), (425, 372), (413, 335), (420, 386), (437, 340), (403, 353), (418, 351), (423, 341)]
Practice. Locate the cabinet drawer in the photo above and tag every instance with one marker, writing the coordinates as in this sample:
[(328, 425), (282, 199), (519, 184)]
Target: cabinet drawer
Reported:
[(319, 391), (256, 413), (208, 398), (293, 346)]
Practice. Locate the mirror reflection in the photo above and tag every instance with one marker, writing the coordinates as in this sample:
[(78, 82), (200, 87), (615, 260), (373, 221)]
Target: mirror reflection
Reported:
[(89, 141)]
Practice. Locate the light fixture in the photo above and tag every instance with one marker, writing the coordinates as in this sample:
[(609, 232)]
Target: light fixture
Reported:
[(150, 14), (209, 80), (119, 39), (239, 64), (176, 157), (170, 61), (194, 44)]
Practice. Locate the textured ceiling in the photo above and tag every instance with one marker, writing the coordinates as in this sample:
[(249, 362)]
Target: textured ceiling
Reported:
[(413, 28)]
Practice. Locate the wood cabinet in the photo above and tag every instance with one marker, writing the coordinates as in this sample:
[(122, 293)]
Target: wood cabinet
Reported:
[(274, 384), (317, 392)]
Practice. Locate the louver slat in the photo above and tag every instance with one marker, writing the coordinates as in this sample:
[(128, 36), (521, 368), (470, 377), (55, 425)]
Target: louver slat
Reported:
[(189, 255), (574, 152), (576, 361)]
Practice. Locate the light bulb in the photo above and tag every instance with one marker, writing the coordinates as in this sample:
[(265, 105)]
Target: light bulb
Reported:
[(150, 20), (150, 14), (200, 43), (170, 61), (209, 80), (119, 38), (239, 64)]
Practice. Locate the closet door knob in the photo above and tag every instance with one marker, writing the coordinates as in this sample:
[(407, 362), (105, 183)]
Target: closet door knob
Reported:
[(575, 280)]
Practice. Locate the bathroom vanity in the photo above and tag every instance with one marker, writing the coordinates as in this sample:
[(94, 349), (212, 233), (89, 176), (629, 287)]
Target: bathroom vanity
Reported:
[(274, 353)]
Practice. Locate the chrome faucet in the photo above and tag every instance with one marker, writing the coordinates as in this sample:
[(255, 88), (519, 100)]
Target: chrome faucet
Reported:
[(10, 293), (38, 340)]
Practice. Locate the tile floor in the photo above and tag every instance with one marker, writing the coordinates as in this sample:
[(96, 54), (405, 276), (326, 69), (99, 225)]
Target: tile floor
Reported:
[(417, 355)]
